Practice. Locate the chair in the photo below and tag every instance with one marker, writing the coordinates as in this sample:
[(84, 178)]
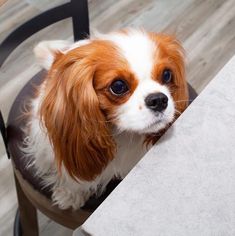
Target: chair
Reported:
[(30, 193)]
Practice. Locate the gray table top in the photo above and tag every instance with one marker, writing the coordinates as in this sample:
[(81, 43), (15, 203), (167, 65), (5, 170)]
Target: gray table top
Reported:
[(185, 185)]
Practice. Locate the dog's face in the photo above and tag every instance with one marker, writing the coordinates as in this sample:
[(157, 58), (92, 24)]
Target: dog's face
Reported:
[(131, 80)]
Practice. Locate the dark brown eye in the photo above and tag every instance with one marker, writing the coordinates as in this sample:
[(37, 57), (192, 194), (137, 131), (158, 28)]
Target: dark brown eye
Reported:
[(167, 76), (119, 87)]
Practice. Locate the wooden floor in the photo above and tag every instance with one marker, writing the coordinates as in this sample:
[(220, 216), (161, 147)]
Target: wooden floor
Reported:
[(205, 27)]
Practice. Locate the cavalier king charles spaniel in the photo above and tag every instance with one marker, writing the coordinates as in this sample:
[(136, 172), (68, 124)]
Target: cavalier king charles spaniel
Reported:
[(102, 102)]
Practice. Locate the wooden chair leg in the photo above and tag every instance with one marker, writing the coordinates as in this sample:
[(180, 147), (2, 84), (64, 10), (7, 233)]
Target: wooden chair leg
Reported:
[(28, 213)]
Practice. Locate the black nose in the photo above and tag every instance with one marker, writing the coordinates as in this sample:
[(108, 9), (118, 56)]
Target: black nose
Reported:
[(156, 101)]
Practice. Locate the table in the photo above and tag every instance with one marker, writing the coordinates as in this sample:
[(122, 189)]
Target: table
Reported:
[(185, 185)]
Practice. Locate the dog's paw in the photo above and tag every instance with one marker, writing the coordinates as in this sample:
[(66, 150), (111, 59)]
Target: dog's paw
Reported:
[(65, 198)]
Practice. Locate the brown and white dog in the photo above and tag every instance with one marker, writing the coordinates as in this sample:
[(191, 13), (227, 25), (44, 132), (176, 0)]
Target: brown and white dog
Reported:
[(101, 100)]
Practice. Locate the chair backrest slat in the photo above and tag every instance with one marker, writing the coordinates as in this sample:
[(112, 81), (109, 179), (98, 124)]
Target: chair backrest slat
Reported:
[(4, 133), (80, 17)]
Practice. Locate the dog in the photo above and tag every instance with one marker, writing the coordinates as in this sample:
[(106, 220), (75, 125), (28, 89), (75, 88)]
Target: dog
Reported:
[(103, 102)]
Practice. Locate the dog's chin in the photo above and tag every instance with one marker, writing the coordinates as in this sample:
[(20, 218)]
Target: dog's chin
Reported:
[(148, 125), (156, 126)]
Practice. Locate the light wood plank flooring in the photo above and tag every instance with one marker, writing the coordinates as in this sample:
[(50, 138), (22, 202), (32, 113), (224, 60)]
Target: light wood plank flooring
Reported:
[(205, 27)]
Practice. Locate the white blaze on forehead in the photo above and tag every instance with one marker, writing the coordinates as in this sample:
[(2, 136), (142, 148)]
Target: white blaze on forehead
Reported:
[(138, 49)]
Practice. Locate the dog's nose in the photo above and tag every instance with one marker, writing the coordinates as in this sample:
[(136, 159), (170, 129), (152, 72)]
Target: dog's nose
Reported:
[(156, 101)]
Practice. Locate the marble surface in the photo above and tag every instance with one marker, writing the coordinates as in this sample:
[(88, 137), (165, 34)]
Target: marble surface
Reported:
[(185, 185)]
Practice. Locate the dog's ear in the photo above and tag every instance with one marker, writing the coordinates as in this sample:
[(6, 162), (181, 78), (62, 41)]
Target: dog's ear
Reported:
[(70, 111), (45, 51)]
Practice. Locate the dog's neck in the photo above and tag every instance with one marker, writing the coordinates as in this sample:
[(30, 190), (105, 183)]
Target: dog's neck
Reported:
[(130, 149)]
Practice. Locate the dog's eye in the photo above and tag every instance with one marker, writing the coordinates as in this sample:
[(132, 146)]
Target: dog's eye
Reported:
[(119, 87), (167, 76)]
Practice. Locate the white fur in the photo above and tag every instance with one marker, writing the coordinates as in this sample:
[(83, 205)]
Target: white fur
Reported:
[(134, 120), (137, 48), (46, 50)]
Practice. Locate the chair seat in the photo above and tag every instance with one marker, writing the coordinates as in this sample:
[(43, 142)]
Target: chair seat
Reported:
[(16, 123)]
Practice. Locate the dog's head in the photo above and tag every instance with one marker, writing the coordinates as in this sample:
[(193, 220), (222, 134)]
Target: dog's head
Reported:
[(131, 80)]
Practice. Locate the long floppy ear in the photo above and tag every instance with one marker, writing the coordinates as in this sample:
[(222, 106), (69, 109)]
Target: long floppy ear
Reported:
[(71, 114), (46, 51)]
